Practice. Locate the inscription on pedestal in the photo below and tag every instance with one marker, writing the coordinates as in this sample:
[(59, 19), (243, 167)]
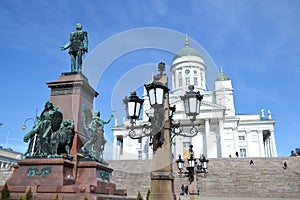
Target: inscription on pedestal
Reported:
[(65, 91), (33, 171)]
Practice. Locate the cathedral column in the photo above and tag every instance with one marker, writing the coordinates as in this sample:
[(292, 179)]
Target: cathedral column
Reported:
[(270, 147), (206, 132), (115, 153), (261, 144), (235, 141), (248, 135), (266, 147), (219, 140), (274, 150)]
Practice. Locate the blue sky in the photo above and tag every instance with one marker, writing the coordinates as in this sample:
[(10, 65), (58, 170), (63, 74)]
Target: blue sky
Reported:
[(256, 42)]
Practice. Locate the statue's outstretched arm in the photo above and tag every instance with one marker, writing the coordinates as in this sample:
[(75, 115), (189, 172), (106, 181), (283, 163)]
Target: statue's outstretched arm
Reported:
[(66, 46), (106, 122)]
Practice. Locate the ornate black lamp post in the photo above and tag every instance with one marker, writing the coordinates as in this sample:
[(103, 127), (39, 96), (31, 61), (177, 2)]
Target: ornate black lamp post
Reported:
[(160, 128), (162, 179), (194, 169)]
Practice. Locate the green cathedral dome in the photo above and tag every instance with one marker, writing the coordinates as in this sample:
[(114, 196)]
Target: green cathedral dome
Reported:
[(187, 51), (222, 76)]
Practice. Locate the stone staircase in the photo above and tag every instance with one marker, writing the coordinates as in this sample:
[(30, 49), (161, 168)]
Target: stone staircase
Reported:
[(266, 178), (227, 177), (5, 174)]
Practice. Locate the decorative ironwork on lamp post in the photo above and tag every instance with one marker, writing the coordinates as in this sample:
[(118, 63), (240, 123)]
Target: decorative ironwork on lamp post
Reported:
[(156, 91)]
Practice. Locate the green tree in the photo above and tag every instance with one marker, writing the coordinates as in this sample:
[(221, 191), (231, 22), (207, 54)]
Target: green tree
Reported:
[(29, 195), (139, 196), (21, 197), (85, 197), (5, 193), (56, 198), (148, 194)]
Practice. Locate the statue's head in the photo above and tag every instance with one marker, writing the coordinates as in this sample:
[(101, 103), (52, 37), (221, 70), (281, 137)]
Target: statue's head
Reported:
[(98, 114), (78, 26), (49, 105)]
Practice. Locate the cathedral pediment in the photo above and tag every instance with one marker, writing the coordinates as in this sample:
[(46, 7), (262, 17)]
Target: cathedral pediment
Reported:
[(211, 106)]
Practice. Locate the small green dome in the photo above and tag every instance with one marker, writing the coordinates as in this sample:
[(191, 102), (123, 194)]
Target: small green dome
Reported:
[(187, 51), (222, 76)]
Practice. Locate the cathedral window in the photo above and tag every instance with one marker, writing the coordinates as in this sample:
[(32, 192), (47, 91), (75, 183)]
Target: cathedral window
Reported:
[(187, 80), (201, 76), (180, 82), (186, 145), (195, 81), (243, 152), (241, 137)]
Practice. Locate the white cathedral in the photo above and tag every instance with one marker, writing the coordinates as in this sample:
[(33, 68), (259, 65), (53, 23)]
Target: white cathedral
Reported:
[(222, 132)]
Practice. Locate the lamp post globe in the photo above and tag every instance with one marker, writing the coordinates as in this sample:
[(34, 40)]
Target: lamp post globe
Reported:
[(191, 168), (192, 101), (180, 163), (23, 127), (204, 163), (156, 92), (191, 161), (133, 106)]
